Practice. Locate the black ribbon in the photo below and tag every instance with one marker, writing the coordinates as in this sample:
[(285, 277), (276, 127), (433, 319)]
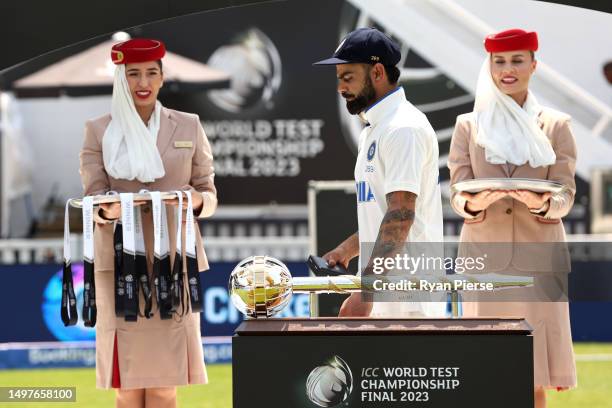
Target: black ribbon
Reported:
[(176, 284), (89, 310), (195, 285), (193, 274), (162, 280), (68, 308), (89, 295), (145, 285), (119, 282), (128, 267), (130, 300)]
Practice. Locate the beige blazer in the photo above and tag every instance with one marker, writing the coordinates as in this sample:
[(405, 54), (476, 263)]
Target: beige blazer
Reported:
[(188, 168), (151, 352), (508, 220)]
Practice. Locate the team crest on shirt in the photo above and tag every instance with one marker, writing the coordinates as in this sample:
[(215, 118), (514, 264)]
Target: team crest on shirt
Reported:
[(371, 151)]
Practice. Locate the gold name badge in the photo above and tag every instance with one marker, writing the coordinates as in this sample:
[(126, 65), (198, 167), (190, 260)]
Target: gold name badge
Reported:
[(179, 144)]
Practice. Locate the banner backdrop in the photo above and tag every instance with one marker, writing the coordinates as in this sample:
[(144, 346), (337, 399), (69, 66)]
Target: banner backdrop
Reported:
[(58, 24), (281, 121), (277, 126)]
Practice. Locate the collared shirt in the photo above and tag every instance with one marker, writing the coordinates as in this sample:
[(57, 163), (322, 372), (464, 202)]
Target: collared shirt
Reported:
[(398, 151)]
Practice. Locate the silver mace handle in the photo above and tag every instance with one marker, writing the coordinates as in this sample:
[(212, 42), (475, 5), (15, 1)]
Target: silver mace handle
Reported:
[(350, 284), (326, 284)]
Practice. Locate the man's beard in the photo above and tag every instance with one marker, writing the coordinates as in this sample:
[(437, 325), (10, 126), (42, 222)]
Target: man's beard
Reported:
[(366, 97)]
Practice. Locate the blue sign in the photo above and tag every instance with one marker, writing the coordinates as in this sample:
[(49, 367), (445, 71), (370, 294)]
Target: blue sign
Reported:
[(52, 297), (36, 290), (31, 295), (83, 354)]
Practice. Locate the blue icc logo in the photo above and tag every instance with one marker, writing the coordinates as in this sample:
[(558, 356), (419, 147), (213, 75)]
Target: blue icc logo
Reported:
[(331, 384), (371, 151), (52, 297)]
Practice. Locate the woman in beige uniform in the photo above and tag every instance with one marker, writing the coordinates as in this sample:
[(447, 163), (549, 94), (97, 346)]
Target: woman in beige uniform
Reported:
[(510, 135), (142, 145)]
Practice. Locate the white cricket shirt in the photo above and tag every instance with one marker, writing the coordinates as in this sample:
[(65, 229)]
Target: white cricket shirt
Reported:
[(398, 151)]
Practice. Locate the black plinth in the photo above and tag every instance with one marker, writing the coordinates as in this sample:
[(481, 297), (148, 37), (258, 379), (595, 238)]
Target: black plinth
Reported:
[(383, 363)]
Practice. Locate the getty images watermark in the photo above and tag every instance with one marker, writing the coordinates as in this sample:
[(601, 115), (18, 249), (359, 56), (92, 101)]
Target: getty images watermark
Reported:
[(425, 269), (487, 271)]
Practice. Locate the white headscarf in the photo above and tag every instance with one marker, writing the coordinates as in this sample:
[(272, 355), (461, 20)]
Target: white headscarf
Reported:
[(129, 147), (507, 132)]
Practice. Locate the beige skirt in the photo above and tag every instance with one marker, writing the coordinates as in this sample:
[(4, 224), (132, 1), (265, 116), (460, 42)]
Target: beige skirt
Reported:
[(553, 352), (148, 353)]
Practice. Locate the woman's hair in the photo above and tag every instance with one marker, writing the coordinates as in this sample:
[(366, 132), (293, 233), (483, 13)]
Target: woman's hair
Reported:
[(159, 62)]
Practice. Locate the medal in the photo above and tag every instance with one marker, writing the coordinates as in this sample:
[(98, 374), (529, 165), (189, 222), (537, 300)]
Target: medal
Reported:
[(68, 304), (193, 274), (89, 289)]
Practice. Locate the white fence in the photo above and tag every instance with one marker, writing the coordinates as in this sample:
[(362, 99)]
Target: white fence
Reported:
[(27, 251), (218, 249)]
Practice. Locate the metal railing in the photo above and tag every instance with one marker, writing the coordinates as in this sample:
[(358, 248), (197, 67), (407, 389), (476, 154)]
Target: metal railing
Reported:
[(218, 249), (224, 249)]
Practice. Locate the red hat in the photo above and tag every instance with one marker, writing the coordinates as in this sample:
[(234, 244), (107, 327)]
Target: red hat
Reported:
[(511, 40), (137, 50)]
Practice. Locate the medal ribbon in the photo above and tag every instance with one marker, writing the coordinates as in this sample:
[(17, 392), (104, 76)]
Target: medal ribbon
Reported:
[(68, 304), (161, 262), (89, 290), (193, 274), (176, 286), (129, 257), (141, 263)]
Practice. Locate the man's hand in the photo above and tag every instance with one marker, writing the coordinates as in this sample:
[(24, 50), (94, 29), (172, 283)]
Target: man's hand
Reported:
[(353, 306), (344, 252), (482, 200), (338, 255), (392, 233)]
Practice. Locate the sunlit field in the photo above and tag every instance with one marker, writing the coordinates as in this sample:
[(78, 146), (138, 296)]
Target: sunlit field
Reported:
[(594, 384)]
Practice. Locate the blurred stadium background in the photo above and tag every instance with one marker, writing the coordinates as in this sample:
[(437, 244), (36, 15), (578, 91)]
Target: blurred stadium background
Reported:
[(276, 124)]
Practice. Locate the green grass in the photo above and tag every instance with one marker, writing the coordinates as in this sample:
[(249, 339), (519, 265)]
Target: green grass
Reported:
[(594, 381), (216, 394), (594, 385)]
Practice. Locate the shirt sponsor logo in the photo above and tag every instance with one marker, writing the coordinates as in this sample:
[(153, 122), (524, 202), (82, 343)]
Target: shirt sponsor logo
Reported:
[(364, 192)]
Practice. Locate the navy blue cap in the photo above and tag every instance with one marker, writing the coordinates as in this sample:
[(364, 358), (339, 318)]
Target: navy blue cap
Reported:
[(365, 45)]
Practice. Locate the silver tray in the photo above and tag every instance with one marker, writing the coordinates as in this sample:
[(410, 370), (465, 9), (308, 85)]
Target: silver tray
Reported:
[(107, 199), (535, 185)]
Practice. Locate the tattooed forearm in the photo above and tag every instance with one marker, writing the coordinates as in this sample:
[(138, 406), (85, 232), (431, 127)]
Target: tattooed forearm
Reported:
[(393, 231), (401, 214), (395, 225)]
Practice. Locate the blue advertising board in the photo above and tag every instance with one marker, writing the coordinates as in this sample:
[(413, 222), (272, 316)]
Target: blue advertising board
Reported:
[(32, 294), (30, 298)]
